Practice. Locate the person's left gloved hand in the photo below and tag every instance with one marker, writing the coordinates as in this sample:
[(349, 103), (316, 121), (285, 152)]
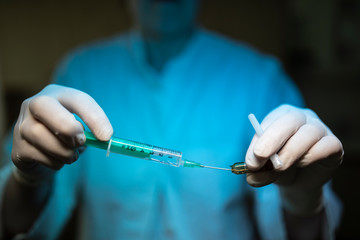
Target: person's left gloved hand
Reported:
[(309, 153)]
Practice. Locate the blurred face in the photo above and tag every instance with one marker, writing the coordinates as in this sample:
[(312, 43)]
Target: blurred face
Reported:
[(165, 17)]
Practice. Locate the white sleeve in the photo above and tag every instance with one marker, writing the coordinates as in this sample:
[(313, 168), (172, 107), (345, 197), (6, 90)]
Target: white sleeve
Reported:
[(58, 208), (269, 213), (333, 211)]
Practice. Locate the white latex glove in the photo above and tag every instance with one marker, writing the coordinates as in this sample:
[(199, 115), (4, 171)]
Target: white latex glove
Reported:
[(309, 153), (47, 135)]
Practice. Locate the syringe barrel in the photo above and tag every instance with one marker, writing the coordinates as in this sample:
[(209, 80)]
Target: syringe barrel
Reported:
[(166, 156), (136, 149)]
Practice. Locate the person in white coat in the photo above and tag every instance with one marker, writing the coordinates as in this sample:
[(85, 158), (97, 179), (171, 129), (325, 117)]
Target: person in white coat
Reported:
[(170, 83)]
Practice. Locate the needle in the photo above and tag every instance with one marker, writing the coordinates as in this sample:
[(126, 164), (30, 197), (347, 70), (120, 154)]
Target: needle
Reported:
[(227, 169)]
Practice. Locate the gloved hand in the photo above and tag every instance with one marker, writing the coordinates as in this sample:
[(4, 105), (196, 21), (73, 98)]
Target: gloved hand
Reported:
[(309, 153), (47, 135)]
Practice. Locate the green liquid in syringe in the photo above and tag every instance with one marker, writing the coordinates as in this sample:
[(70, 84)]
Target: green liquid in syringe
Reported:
[(153, 153)]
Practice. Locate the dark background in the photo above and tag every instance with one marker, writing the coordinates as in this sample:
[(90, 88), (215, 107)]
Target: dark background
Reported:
[(317, 41)]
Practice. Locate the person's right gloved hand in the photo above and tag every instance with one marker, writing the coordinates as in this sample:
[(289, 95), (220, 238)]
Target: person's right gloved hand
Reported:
[(47, 134)]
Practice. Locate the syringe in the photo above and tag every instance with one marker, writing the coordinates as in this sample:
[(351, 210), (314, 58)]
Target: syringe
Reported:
[(153, 153)]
